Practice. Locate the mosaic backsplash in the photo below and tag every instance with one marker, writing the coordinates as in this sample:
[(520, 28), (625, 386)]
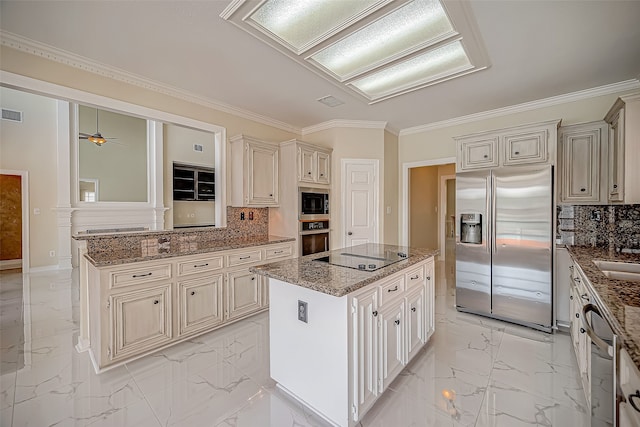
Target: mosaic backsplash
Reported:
[(150, 243), (608, 226)]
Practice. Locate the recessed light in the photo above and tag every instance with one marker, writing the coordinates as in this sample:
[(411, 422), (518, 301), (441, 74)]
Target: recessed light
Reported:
[(330, 101)]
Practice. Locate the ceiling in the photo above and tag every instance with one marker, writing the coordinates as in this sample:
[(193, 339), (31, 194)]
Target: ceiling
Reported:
[(537, 49)]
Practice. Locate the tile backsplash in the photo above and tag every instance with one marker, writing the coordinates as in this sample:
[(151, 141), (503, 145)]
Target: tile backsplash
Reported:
[(608, 226)]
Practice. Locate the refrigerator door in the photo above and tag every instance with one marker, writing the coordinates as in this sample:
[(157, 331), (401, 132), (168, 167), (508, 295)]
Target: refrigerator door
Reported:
[(522, 253), (473, 260)]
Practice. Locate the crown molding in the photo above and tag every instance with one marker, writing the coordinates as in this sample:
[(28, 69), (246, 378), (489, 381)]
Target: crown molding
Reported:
[(626, 85), (339, 123), (23, 44)]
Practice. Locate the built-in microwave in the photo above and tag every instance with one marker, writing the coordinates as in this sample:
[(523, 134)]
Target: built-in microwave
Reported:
[(314, 203)]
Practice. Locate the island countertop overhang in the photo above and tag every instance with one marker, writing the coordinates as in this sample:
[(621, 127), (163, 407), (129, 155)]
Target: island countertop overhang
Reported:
[(336, 280)]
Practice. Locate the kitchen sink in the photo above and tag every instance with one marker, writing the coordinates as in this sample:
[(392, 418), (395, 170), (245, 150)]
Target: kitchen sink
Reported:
[(619, 270)]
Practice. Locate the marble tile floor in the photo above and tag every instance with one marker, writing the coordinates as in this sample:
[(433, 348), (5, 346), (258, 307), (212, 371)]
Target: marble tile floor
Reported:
[(474, 372)]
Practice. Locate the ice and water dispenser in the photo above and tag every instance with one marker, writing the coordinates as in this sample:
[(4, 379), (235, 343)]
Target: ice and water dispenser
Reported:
[(471, 228)]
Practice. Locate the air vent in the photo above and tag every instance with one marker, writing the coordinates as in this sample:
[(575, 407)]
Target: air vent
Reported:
[(198, 147), (330, 101), (14, 116)]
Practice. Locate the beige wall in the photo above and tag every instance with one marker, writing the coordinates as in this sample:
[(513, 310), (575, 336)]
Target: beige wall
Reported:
[(119, 165), (391, 193), (352, 143), (31, 146), (178, 147), (423, 203)]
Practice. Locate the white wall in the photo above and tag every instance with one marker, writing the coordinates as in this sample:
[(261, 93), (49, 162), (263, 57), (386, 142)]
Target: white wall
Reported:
[(391, 199), (31, 146)]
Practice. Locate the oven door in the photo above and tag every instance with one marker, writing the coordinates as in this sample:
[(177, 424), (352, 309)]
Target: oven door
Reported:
[(314, 242)]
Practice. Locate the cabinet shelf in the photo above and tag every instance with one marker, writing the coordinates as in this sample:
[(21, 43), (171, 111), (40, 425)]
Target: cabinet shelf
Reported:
[(193, 183)]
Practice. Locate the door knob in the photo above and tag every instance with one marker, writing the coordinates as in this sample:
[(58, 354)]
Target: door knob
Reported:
[(349, 233)]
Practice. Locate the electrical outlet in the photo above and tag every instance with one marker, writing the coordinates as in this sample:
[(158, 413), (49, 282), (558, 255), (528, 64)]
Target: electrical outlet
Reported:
[(302, 311), (52, 253), (596, 215), (241, 216), (251, 216)]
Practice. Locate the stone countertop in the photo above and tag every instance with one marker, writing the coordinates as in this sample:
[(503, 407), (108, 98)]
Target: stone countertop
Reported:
[(109, 258), (618, 299), (336, 280)]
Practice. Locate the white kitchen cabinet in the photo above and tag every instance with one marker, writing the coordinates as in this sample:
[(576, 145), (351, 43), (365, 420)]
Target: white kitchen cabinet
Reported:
[(137, 308), (415, 322), (243, 293), (520, 145), (141, 320), (254, 172), (307, 164), (624, 150), (314, 164), (200, 303), (630, 387), (583, 163), (430, 294), (579, 296), (391, 330), (563, 300), (365, 333), (324, 167)]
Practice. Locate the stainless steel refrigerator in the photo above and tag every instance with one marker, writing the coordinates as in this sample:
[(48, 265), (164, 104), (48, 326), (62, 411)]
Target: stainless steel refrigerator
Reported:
[(504, 244)]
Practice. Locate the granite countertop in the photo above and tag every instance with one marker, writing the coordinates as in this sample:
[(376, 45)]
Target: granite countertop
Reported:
[(134, 254), (618, 299), (335, 280)]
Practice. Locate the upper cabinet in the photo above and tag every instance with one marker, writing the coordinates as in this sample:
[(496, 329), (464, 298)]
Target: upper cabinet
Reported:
[(623, 183), (314, 164), (582, 163), (522, 145), (254, 172)]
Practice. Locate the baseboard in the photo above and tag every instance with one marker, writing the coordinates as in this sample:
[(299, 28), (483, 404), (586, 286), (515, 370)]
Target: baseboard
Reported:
[(10, 264)]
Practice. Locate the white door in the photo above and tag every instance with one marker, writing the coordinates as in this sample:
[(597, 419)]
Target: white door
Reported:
[(360, 201)]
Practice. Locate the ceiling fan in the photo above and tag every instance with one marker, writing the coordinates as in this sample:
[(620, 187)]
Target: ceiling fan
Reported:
[(97, 137)]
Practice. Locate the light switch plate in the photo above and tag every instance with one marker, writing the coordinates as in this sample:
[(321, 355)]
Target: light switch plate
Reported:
[(302, 311)]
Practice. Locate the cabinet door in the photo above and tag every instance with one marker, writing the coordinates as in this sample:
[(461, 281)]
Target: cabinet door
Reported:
[(580, 165), (307, 161), (415, 324), (478, 153), (525, 148), (324, 168), (140, 320), (616, 158), (243, 293), (391, 326), (430, 293), (365, 357), (200, 303), (262, 173)]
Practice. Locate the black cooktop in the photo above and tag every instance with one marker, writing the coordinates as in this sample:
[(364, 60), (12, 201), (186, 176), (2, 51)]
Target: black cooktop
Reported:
[(365, 258)]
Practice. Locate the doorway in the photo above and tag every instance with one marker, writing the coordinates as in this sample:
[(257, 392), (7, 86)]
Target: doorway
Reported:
[(14, 221)]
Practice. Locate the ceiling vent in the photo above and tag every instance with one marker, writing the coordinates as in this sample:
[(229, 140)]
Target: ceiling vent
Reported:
[(11, 115), (330, 101)]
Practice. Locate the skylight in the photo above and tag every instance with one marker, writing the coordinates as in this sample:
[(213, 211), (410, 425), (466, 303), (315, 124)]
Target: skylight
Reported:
[(376, 48)]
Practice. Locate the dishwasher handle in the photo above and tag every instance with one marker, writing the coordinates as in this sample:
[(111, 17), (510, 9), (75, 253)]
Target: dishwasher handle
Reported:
[(599, 342)]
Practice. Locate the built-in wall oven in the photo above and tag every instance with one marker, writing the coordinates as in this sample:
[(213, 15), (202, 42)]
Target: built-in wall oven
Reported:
[(314, 236), (313, 203)]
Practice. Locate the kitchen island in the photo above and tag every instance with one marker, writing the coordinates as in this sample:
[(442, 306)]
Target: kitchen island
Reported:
[(340, 334)]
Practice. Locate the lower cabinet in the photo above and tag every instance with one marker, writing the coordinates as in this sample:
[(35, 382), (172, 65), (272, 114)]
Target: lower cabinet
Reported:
[(366, 348), (200, 303), (392, 343), (578, 297), (244, 293), (415, 324), (141, 320)]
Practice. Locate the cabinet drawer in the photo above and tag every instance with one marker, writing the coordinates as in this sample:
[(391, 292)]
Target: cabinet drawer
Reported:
[(242, 258), (278, 252), (134, 276), (200, 265), (391, 290), (415, 277)]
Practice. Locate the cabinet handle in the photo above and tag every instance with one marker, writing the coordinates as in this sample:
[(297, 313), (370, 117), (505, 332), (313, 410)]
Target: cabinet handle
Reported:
[(582, 331), (485, 156), (397, 322), (585, 297), (516, 153), (576, 279), (615, 185), (270, 195), (278, 252), (428, 277), (571, 297), (571, 268), (321, 174), (417, 276), (375, 313), (142, 275), (577, 315), (632, 402), (308, 173), (193, 293), (393, 290), (156, 302), (200, 265), (253, 278), (245, 257), (583, 189), (413, 309)]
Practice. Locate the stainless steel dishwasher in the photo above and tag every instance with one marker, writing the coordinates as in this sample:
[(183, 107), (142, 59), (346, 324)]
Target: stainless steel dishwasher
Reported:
[(604, 360)]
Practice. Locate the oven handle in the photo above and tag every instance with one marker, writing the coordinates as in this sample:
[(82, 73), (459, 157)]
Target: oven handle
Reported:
[(321, 231), (599, 342)]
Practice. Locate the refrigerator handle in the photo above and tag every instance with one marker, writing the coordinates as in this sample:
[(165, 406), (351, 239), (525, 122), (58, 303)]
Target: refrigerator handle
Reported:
[(487, 220), (492, 213)]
